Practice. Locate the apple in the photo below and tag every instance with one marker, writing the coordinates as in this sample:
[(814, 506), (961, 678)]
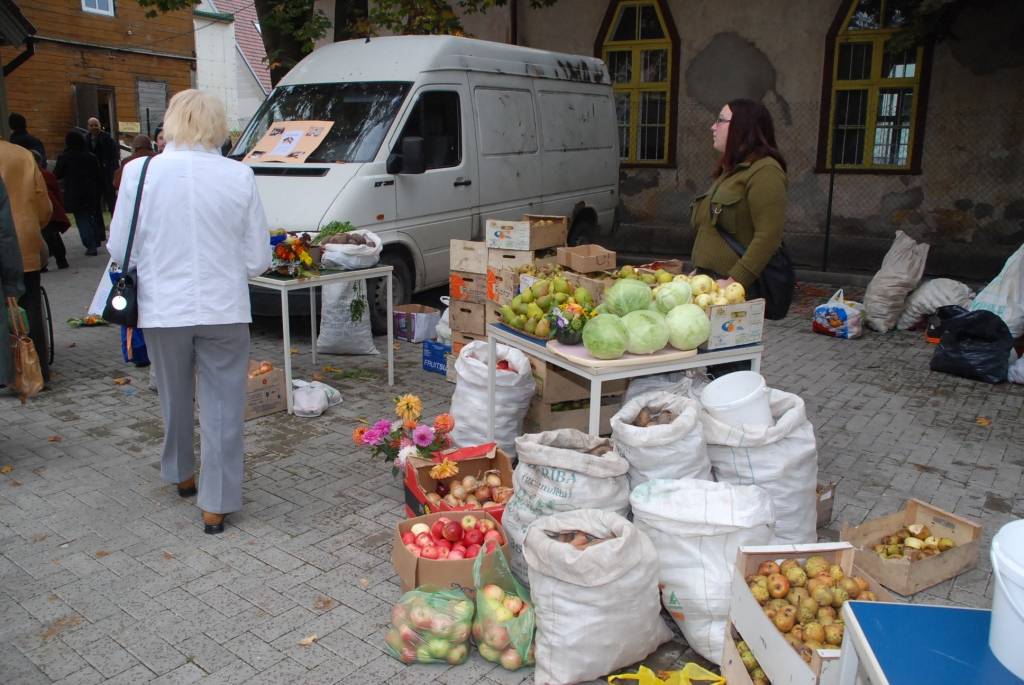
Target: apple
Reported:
[(485, 525), (429, 552), (473, 537), (408, 635), (420, 529), (442, 553), (421, 617), (472, 551), (490, 546), (453, 531), (510, 659), (408, 655), (436, 530), (443, 544), (513, 604), (478, 631), (456, 554), (458, 653), (496, 536), (469, 522), (501, 615), (424, 540), (408, 539), (459, 547), (488, 652), (496, 636), (393, 639), (493, 592), (397, 615), (463, 610), (459, 633), (413, 549), (423, 654)]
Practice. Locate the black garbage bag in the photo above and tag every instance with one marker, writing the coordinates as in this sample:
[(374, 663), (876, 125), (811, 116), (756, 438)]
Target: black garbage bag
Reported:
[(937, 321), (974, 345)]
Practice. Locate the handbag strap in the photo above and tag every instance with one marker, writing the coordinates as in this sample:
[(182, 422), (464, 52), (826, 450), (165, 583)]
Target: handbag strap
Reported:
[(14, 315), (731, 241), (135, 215)]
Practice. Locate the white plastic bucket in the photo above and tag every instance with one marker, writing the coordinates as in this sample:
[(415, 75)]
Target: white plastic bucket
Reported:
[(1007, 625), (739, 399)]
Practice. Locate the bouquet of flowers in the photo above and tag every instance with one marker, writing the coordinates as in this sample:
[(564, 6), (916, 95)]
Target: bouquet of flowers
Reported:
[(401, 439), (292, 256), (567, 322)]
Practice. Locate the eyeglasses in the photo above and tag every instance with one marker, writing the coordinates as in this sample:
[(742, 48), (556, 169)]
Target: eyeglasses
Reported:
[(720, 120)]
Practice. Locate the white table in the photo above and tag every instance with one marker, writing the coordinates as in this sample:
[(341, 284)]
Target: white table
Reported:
[(597, 376), (285, 286)]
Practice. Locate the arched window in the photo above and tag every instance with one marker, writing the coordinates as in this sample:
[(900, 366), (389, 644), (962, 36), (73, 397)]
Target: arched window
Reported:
[(874, 95), (639, 43)]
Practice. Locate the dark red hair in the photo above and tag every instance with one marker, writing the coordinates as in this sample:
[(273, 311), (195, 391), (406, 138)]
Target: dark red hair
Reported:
[(751, 137)]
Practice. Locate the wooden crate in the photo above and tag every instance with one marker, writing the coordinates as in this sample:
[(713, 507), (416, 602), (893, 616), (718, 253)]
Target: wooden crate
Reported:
[(461, 338), (502, 285), (826, 494), (466, 317), (908, 577), (469, 256), (534, 232), (555, 384), (545, 416), (467, 287)]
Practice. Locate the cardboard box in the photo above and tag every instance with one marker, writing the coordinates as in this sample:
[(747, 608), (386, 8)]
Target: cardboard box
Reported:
[(735, 324), (586, 258), (594, 283), (460, 339), (499, 259), (466, 317), (534, 232), (909, 577), (415, 571), (473, 461), (469, 256), (435, 356), (467, 287), (492, 313), (265, 393), (732, 668), (415, 322), (502, 285), (826, 498), (777, 658), (555, 384), (450, 374), (544, 416)]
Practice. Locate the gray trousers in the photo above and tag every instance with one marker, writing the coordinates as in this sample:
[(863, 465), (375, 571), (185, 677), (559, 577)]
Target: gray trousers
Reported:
[(219, 357)]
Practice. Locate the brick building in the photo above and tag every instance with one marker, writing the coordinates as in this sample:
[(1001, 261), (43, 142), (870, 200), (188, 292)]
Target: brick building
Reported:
[(97, 58)]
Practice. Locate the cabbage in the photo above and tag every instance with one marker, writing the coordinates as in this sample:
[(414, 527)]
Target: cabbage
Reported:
[(671, 295), (647, 331), (627, 295), (605, 336), (688, 327)]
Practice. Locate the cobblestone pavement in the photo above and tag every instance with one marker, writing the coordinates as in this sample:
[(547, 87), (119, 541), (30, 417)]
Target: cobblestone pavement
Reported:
[(106, 576)]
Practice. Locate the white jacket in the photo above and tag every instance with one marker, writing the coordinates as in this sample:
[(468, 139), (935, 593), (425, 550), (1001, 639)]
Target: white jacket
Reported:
[(201, 235)]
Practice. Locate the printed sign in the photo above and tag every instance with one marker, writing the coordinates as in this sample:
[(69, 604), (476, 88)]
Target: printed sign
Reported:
[(290, 142)]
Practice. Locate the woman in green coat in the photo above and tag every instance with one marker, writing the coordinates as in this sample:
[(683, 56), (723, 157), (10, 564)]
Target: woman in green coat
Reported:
[(10, 276)]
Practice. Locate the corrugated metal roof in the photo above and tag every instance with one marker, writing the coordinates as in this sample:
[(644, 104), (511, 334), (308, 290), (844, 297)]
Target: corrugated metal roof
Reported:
[(14, 27)]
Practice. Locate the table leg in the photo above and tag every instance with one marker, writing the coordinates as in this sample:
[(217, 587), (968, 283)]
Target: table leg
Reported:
[(312, 320), (595, 408), (755, 363), (287, 334), (492, 360), (391, 331)]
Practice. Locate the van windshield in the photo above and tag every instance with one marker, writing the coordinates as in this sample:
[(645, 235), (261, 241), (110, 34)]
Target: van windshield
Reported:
[(362, 114)]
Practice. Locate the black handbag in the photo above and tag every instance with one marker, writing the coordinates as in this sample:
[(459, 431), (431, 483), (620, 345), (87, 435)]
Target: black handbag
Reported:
[(122, 303), (776, 282)]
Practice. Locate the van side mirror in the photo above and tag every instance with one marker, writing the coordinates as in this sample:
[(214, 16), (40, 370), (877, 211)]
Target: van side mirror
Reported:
[(410, 160)]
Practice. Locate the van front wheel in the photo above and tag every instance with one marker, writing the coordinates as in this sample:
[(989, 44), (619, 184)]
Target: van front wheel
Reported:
[(378, 291)]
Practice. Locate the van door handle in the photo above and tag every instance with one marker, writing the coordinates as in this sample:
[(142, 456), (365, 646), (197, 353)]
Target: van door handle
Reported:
[(461, 182)]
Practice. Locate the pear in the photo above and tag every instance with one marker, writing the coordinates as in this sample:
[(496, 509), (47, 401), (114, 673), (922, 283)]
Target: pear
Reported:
[(815, 565), (533, 311), (749, 662), (796, 576), (914, 543), (544, 302), (839, 596), (582, 296), (946, 544), (796, 594), (649, 279), (788, 564), (541, 288), (919, 530), (560, 285), (508, 315), (521, 308), (531, 325), (807, 610), (834, 634), (682, 278), (814, 632), (543, 329), (662, 276), (560, 298), (527, 296), (627, 271)]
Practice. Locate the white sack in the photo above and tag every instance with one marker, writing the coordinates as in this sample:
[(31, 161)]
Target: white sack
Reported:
[(556, 474), (344, 256), (781, 458), (1015, 374), (672, 450), (339, 334), (597, 609), (931, 295), (443, 330), (686, 383), (901, 271), (697, 527), (1004, 296), (512, 393)]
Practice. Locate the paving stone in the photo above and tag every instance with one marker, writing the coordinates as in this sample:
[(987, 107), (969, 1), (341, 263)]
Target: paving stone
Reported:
[(253, 651), (108, 657), (186, 673)]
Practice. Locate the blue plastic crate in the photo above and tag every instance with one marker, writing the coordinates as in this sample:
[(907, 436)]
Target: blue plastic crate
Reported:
[(434, 357)]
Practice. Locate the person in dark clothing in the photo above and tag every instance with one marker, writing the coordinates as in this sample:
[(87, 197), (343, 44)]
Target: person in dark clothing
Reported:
[(21, 136), (11, 274), (103, 146), (142, 146), (80, 171), (58, 220)]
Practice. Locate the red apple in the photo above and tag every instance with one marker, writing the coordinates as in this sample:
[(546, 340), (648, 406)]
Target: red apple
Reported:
[(492, 535), (453, 531), (424, 540), (456, 554), (413, 549), (485, 525), (408, 539), (513, 604), (490, 546), (442, 553), (443, 544), (469, 522), (458, 547), (473, 537), (437, 530), (429, 552), (472, 551), (420, 528)]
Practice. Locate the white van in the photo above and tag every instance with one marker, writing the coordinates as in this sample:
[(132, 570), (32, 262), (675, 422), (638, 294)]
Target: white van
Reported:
[(432, 136)]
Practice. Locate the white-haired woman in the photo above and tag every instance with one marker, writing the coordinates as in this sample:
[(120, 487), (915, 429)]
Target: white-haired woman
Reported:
[(200, 235)]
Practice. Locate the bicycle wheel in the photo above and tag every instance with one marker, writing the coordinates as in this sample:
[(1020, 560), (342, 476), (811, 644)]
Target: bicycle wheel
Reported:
[(48, 329)]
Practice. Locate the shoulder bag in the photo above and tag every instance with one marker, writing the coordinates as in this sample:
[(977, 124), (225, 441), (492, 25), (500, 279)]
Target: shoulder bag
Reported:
[(776, 282), (28, 374), (122, 303)]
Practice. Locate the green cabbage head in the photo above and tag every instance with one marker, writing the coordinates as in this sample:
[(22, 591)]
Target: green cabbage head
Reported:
[(647, 330), (671, 295), (627, 295), (605, 336), (688, 327)]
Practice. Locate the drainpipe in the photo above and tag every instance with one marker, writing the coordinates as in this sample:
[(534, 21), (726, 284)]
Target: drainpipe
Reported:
[(22, 58), (513, 10)]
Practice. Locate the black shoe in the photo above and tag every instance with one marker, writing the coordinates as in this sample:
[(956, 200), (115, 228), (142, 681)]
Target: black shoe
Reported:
[(213, 524), (63, 265), (187, 488), (91, 253)]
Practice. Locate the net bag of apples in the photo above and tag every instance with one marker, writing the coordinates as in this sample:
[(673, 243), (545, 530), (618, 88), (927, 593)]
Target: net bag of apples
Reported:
[(594, 579), (430, 627), (561, 470), (503, 627)]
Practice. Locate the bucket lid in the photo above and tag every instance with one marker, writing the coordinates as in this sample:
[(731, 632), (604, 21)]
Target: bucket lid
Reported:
[(1008, 546)]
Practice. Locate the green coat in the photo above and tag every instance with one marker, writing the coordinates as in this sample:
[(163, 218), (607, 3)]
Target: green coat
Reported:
[(749, 203), (10, 277)]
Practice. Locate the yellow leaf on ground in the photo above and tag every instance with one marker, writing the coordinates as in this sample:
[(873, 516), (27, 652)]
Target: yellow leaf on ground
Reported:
[(123, 380), (6, 468), (294, 350), (363, 583), (307, 641), (983, 421), (54, 438)]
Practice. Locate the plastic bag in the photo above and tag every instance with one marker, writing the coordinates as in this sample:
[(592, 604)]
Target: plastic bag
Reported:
[(672, 450), (901, 271), (505, 619), (512, 392), (782, 458), (697, 527), (556, 473), (353, 256), (311, 399), (430, 627), (839, 317), (690, 674), (443, 330), (598, 607), (688, 383), (1004, 296), (345, 320), (1015, 372), (975, 345), (929, 296)]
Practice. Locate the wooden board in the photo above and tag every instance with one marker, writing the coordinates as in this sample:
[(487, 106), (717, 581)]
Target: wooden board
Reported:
[(578, 354)]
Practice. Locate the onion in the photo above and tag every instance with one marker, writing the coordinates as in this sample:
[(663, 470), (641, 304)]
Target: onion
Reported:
[(434, 499), (472, 502), (483, 492), (469, 482), (492, 479), (458, 492), (442, 489), (502, 494), (487, 503), (450, 500)]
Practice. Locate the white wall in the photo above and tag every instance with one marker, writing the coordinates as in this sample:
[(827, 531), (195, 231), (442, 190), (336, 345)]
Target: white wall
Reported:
[(216, 57), (249, 94)]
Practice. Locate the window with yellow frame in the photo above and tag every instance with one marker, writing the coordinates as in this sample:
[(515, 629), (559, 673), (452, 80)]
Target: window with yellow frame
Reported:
[(875, 90), (638, 48)]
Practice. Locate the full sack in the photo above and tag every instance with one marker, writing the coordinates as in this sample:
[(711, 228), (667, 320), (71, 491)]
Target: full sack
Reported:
[(512, 392), (672, 450), (345, 320), (697, 527), (929, 296), (975, 345), (561, 470), (597, 608), (344, 256), (1004, 296), (901, 271), (839, 317), (688, 383), (782, 458)]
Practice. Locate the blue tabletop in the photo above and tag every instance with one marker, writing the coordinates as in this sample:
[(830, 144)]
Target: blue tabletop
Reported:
[(916, 643)]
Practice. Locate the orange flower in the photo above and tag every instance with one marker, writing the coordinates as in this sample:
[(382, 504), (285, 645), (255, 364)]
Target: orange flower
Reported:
[(408, 407), (409, 424), (357, 435), (444, 423)]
